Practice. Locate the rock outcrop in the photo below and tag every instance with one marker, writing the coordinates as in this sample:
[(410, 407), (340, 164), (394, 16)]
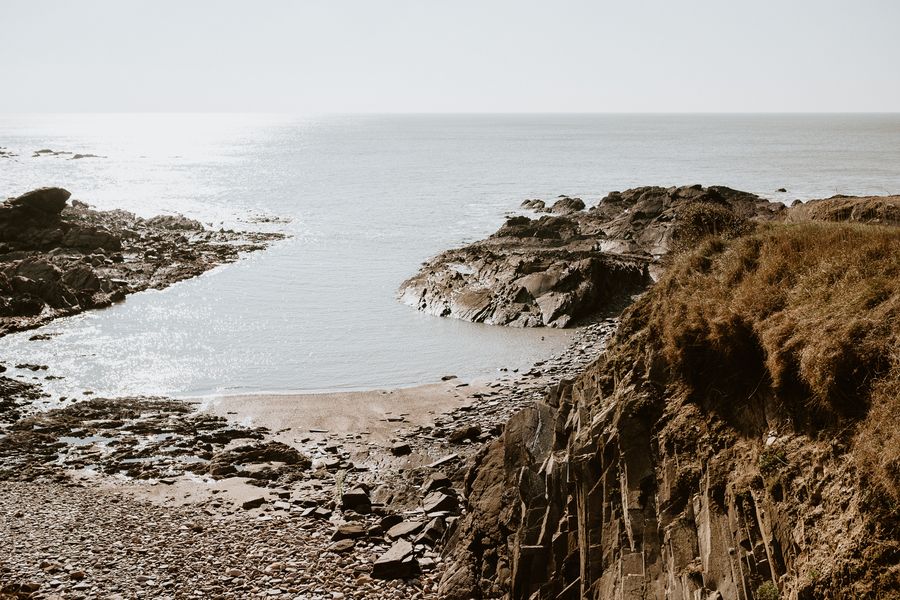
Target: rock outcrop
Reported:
[(736, 442), (555, 270), (58, 260)]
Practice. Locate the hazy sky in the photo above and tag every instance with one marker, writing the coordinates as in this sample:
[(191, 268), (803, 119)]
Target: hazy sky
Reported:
[(302, 56)]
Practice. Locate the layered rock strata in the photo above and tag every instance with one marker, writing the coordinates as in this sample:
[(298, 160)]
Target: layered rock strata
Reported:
[(736, 442)]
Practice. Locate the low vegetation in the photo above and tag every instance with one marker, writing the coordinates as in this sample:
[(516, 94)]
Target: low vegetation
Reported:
[(807, 313), (768, 591), (878, 210), (700, 220), (804, 316), (791, 331)]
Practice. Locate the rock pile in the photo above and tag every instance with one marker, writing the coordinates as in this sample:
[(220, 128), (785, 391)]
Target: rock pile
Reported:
[(141, 438), (107, 544)]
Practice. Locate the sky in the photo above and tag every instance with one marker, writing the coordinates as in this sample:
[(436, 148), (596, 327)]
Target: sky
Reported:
[(347, 56)]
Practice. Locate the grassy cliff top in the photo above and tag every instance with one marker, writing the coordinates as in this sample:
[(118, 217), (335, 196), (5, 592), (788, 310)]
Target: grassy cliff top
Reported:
[(804, 314)]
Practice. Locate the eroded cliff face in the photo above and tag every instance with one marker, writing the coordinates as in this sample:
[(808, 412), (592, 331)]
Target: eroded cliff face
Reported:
[(695, 462), (626, 493)]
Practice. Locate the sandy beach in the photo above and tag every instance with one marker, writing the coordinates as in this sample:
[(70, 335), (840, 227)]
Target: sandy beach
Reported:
[(378, 414)]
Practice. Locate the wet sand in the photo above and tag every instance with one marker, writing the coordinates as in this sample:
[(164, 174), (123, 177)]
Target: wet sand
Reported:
[(377, 414)]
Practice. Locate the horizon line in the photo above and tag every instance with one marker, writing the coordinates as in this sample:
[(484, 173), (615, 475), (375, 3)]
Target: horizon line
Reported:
[(440, 113)]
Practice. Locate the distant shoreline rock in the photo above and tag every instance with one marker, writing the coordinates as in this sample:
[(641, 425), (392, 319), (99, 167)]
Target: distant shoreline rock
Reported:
[(558, 269), (58, 259)]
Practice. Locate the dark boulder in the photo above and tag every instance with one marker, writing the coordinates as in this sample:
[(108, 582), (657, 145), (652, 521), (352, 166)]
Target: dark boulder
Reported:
[(566, 205), (398, 562), (45, 201)]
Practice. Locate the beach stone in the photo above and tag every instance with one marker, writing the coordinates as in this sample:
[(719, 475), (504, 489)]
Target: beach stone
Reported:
[(436, 481), (397, 562), (349, 531), (253, 503), (432, 532), (357, 499), (401, 449), (389, 521), (404, 529), (443, 461), (470, 432), (440, 501), (342, 546)]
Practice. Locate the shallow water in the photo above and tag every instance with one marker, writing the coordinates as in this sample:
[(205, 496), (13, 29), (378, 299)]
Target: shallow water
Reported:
[(370, 198)]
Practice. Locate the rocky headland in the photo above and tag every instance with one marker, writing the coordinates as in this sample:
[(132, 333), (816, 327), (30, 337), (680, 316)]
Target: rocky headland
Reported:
[(573, 264), (733, 435), (59, 258)]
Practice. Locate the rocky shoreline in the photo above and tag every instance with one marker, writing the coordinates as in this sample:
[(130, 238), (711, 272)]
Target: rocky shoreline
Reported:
[(350, 517), (558, 269), (593, 474), (58, 259)]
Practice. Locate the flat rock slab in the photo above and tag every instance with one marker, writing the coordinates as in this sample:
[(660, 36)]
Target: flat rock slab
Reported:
[(404, 529), (436, 481), (440, 502), (443, 461), (253, 503), (342, 546), (401, 449), (357, 499), (397, 562), (349, 531)]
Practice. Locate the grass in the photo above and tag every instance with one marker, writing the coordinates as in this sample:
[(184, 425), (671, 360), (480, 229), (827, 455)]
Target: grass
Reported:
[(806, 313), (768, 591), (699, 220), (883, 210)]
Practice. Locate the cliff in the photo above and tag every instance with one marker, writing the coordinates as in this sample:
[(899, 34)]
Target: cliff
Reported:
[(739, 439)]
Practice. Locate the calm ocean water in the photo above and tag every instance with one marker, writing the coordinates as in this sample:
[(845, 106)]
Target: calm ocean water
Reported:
[(371, 197)]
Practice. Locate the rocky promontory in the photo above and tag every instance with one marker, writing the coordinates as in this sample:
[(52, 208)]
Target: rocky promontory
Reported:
[(58, 259), (556, 269), (738, 440)]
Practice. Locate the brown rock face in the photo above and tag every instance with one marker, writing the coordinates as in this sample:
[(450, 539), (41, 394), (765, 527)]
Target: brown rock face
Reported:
[(682, 465)]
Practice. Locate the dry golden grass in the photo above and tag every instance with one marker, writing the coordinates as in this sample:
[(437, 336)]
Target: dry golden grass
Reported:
[(808, 313), (699, 220), (883, 210)]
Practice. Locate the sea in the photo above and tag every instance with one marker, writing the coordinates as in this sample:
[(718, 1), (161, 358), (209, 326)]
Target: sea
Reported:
[(365, 200)]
